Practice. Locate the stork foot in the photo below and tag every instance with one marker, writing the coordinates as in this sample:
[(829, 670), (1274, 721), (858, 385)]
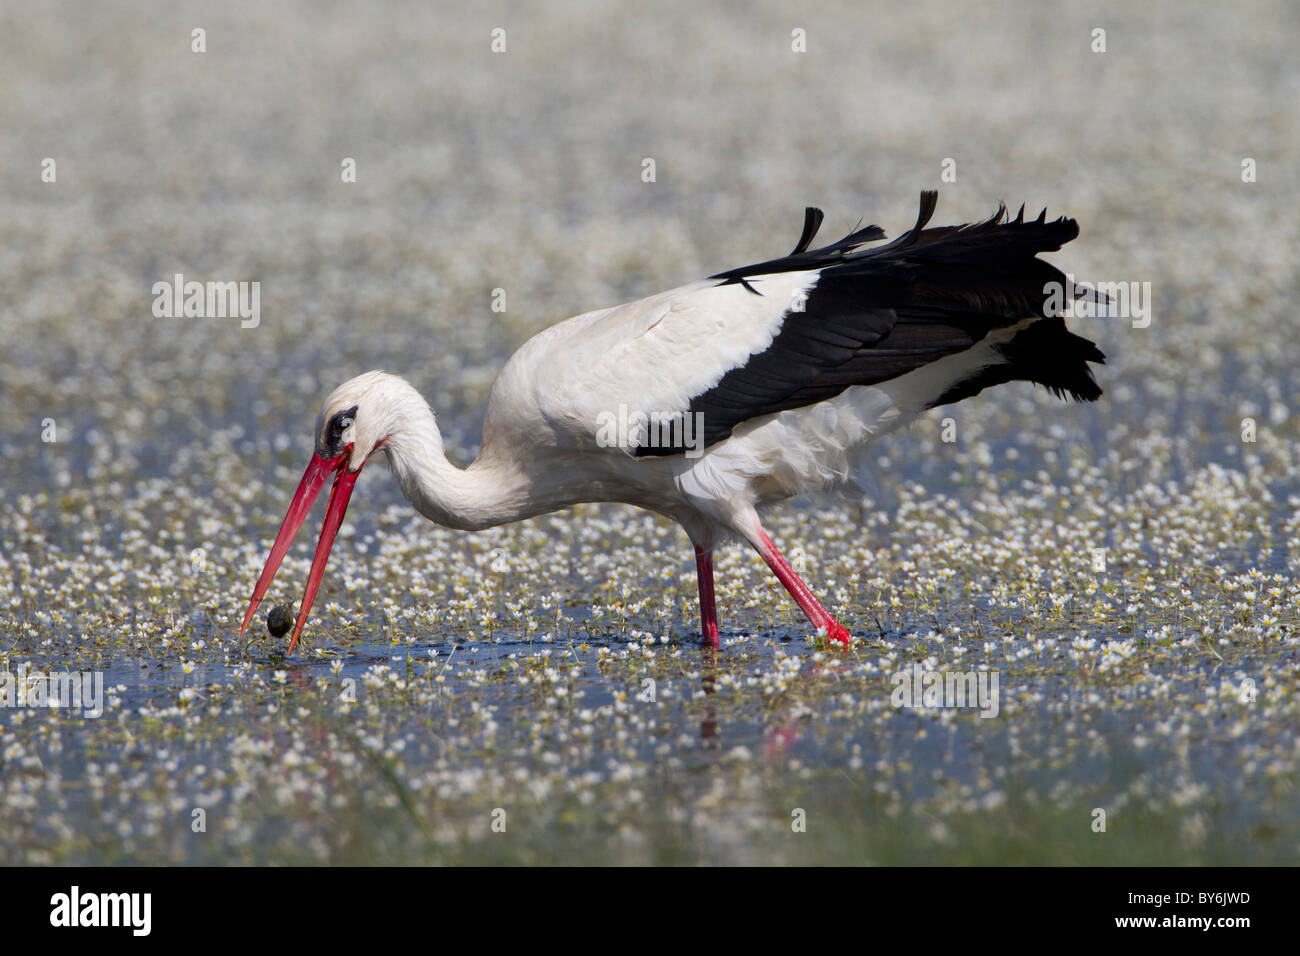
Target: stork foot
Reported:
[(835, 631)]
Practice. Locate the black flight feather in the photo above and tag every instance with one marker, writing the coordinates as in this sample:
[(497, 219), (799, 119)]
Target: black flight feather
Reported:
[(877, 313)]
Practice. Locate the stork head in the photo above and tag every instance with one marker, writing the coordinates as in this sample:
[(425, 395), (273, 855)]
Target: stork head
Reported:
[(358, 416), (354, 422)]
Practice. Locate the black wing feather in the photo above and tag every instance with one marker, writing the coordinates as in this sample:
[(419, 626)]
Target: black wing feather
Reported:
[(812, 221), (875, 314)]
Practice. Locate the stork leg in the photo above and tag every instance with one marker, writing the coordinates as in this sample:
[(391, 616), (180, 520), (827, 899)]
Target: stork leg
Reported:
[(818, 615), (708, 608)]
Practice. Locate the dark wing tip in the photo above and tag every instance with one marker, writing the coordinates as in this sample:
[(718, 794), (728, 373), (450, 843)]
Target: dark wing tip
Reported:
[(929, 202), (812, 221)]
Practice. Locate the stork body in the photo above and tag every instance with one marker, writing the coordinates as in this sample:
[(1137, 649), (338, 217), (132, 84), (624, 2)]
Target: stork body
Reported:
[(711, 401)]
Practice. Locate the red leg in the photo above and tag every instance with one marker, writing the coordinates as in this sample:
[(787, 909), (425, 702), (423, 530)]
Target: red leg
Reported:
[(708, 609), (818, 615)]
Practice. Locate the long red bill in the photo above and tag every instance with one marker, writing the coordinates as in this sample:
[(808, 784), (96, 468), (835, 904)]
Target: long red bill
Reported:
[(313, 480), (338, 506)]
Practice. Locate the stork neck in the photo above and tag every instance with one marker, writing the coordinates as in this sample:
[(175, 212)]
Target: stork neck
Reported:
[(485, 494)]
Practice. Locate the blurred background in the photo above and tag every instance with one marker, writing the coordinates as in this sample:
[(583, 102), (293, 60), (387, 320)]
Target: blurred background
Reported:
[(522, 170)]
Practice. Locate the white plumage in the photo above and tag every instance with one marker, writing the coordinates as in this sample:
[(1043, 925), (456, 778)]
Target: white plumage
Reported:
[(791, 368)]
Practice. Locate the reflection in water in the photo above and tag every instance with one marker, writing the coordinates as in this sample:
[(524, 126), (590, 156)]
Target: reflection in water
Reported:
[(784, 731), (708, 681)]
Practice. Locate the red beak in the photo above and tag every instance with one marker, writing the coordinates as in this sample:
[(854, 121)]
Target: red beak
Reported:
[(313, 480)]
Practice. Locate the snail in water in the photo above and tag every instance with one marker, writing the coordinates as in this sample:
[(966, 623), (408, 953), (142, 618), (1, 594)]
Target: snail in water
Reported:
[(279, 620)]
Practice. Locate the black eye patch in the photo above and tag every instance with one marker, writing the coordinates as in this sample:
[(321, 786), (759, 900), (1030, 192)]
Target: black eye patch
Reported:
[(341, 421)]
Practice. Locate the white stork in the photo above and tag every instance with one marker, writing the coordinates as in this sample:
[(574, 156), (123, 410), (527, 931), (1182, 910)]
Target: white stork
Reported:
[(711, 401)]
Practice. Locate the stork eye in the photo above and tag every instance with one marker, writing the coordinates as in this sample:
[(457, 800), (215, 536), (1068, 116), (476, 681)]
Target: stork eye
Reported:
[(341, 423)]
